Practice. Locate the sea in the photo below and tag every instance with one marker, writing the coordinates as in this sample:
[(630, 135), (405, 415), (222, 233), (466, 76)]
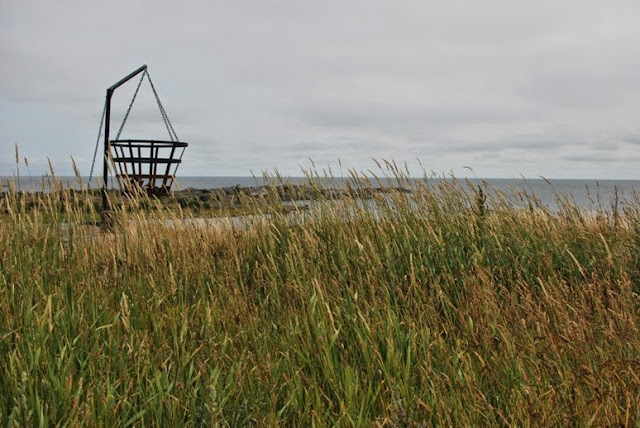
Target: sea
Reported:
[(592, 195)]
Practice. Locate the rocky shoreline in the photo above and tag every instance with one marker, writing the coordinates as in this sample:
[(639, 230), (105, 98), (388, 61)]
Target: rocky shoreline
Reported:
[(289, 191), (235, 199)]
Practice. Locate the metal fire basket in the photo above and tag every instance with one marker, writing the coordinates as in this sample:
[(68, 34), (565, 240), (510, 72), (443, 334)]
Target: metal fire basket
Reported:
[(140, 165)]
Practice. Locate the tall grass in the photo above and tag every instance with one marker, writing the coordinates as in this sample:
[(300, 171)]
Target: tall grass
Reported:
[(450, 305)]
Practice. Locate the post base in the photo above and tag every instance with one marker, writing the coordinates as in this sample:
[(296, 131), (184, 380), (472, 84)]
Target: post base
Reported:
[(107, 220)]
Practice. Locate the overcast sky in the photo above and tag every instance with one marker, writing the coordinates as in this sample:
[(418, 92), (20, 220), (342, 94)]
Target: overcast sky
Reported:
[(506, 87)]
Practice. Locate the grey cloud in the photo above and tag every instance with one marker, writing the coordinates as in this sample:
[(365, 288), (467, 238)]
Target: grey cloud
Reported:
[(602, 157), (345, 145), (631, 139)]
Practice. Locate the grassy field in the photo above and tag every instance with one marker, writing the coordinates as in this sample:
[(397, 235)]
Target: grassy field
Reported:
[(446, 306)]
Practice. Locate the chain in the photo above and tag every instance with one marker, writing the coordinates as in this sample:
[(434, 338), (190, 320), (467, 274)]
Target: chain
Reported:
[(95, 152), (167, 122), (126, 116)]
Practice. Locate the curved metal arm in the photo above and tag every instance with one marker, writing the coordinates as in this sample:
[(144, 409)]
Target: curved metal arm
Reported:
[(126, 79), (105, 166)]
